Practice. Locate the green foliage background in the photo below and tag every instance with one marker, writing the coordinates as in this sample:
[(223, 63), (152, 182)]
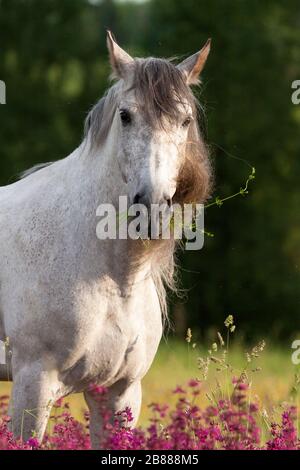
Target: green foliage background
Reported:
[(53, 59)]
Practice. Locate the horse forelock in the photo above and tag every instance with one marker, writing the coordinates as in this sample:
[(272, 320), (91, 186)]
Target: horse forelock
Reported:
[(160, 90)]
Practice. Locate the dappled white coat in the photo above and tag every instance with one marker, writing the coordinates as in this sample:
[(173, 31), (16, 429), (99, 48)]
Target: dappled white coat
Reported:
[(74, 308)]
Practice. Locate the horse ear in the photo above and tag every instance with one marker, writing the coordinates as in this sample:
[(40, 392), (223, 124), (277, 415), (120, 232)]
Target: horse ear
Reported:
[(119, 59), (193, 65)]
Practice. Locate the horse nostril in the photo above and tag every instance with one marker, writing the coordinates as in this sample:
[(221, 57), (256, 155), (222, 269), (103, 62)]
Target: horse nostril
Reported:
[(169, 202), (136, 198)]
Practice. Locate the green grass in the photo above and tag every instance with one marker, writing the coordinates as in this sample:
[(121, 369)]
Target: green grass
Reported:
[(176, 363)]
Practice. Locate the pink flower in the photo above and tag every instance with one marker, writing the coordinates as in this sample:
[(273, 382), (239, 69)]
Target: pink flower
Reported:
[(178, 390), (194, 383), (229, 424)]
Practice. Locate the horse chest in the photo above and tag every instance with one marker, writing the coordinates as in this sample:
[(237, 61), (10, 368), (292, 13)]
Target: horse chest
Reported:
[(118, 352), (118, 344)]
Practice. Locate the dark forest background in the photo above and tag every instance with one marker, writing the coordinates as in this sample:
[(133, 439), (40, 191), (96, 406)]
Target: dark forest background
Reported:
[(54, 62)]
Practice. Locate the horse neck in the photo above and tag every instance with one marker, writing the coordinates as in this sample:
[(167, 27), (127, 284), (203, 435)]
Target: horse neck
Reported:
[(128, 261)]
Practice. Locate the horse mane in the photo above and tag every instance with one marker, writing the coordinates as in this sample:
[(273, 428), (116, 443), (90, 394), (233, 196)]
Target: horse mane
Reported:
[(34, 169), (160, 87)]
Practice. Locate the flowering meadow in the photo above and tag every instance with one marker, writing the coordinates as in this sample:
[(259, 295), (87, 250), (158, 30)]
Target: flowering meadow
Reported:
[(233, 418), (229, 424)]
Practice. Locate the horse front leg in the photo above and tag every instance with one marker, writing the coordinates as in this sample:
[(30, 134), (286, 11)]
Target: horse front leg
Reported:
[(119, 396), (34, 392)]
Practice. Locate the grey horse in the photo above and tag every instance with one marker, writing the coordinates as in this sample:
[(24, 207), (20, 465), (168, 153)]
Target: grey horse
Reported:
[(76, 310)]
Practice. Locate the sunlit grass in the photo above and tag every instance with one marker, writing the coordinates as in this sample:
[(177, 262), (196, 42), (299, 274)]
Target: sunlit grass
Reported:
[(176, 363)]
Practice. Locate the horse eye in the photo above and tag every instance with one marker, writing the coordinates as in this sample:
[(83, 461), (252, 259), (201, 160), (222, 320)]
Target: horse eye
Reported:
[(186, 122), (125, 116)]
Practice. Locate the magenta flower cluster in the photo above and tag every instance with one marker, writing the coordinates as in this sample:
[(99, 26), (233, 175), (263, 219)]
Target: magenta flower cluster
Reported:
[(229, 423)]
